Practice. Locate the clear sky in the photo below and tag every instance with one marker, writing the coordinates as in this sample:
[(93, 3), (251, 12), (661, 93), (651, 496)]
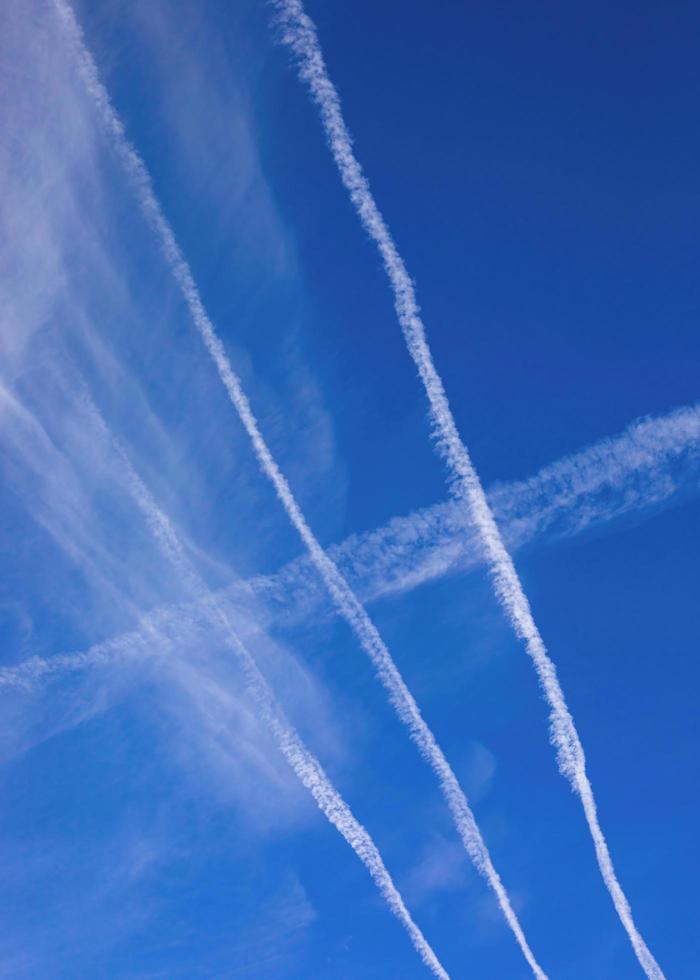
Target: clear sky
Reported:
[(538, 166)]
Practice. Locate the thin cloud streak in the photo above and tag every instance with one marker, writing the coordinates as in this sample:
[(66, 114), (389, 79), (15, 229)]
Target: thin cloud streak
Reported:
[(346, 601), (299, 33), (304, 764), (652, 463)]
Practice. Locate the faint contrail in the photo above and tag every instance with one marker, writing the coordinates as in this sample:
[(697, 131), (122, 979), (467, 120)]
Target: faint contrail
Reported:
[(652, 463), (307, 768), (347, 603), (299, 33)]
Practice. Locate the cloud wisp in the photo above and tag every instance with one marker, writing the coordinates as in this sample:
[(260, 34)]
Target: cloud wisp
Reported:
[(653, 463), (299, 33), (304, 764), (345, 599)]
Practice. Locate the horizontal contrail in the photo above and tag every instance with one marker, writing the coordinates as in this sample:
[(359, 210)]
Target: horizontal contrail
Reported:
[(299, 33), (304, 764), (653, 463), (345, 599)]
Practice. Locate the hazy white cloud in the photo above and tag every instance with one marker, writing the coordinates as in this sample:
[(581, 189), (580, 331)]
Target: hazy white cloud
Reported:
[(346, 601)]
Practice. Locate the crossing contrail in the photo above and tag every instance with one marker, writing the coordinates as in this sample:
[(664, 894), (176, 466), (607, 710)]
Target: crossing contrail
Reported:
[(299, 33), (345, 599), (304, 764), (653, 463)]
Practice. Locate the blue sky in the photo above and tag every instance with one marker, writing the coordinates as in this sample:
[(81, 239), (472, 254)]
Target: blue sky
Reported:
[(538, 170)]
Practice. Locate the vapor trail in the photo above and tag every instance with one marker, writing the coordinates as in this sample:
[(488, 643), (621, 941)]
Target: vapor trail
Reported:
[(306, 767), (653, 462), (345, 599), (299, 33)]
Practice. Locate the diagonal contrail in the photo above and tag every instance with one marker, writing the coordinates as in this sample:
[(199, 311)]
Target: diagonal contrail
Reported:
[(304, 764), (345, 599), (653, 463), (299, 33)]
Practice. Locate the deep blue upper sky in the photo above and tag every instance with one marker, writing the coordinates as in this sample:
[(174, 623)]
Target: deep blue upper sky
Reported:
[(538, 168)]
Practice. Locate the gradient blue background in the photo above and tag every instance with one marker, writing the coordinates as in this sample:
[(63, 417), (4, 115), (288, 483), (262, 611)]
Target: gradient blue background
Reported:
[(538, 166)]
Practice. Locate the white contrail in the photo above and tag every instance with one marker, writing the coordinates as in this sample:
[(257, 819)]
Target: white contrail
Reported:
[(344, 597), (305, 765), (299, 33), (651, 464)]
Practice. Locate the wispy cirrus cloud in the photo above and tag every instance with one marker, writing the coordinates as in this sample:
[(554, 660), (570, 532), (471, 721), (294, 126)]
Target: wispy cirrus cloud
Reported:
[(305, 766), (347, 603), (82, 563)]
